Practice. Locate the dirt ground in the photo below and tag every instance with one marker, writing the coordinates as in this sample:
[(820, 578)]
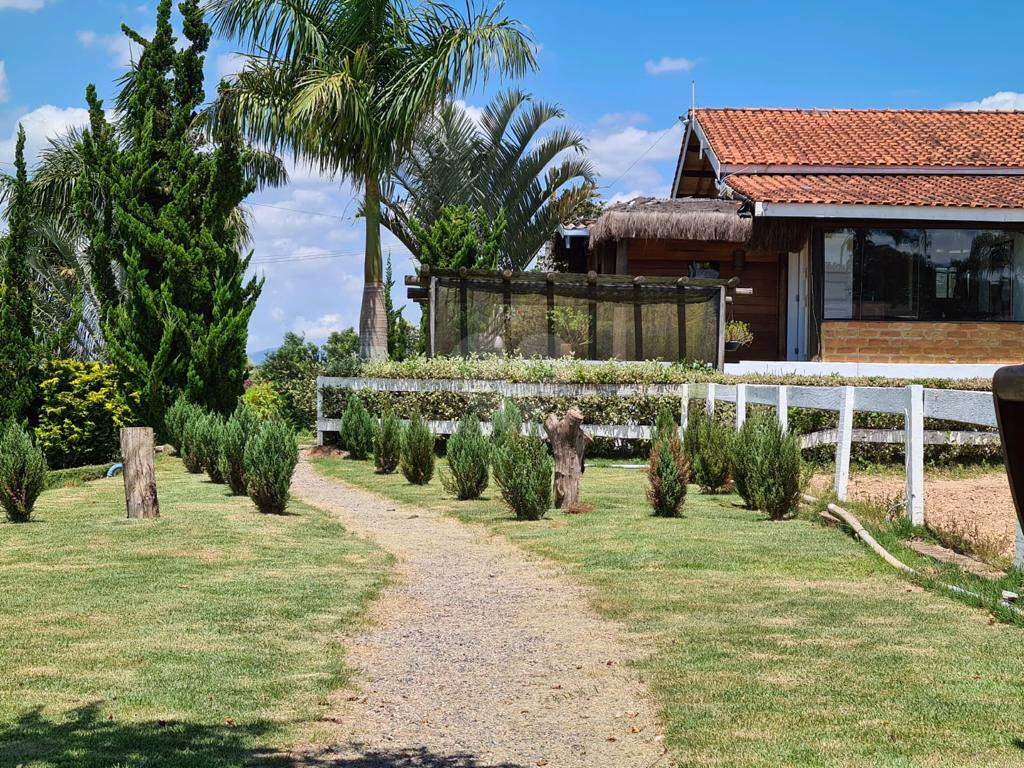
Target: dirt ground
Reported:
[(979, 507)]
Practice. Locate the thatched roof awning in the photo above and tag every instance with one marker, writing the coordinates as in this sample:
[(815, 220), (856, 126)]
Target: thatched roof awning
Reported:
[(687, 218)]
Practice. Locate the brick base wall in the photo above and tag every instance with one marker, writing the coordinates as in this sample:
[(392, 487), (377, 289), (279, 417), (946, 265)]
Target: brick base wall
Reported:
[(921, 342)]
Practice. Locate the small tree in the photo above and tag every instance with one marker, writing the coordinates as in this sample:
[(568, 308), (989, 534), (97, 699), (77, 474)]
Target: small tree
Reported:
[(176, 418), (387, 444), (357, 429), (417, 460), (209, 438), (270, 458), (191, 442), (668, 471), (708, 445), (237, 432), (22, 473), (523, 470), (506, 421), (768, 468), (469, 454)]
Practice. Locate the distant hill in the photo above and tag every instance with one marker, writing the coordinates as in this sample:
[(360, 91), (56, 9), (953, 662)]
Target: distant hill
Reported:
[(261, 355)]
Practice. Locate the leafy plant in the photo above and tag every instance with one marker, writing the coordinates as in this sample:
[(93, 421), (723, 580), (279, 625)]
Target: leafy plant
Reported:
[(264, 401), (769, 467), (708, 444), (667, 475), (270, 458), (751, 456), (22, 473), (387, 444), (524, 471), (505, 422), (739, 332), (209, 438), (236, 434), (469, 454), (357, 429), (175, 419), (191, 441), (417, 461), (573, 327), (80, 412)]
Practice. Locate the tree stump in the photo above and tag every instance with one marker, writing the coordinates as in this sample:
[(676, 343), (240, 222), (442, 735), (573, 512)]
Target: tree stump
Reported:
[(139, 474), (568, 443)]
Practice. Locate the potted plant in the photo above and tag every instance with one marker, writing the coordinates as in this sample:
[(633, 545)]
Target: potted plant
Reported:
[(737, 334)]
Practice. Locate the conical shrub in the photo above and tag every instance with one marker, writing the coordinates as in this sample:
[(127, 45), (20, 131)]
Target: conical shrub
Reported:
[(469, 454)]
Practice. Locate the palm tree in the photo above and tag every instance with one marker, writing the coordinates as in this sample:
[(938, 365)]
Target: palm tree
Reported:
[(345, 84), (511, 161)]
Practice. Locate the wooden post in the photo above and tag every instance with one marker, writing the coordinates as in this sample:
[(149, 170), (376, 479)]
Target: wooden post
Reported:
[(569, 443), (681, 316), (844, 444), (139, 475), (782, 406), (463, 315), (552, 339), (592, 315), (741, 405), (913, 433)]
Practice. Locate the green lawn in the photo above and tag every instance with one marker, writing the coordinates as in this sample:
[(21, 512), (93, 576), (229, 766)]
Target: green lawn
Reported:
[(775, 643), (202, 639)]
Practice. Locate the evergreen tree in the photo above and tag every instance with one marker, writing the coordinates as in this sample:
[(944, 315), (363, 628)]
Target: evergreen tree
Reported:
[(19, 357), (164, 243), (401, 334)]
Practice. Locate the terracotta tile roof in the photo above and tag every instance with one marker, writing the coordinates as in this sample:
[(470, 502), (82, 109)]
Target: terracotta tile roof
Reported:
[(865, 137), (966, 191)]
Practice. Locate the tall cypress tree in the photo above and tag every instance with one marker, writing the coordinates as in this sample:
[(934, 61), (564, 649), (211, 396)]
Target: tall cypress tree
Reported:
[(166, 256), (19, 355)]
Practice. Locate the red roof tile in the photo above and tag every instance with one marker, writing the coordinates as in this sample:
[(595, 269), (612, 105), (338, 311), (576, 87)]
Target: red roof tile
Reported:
[(966, 191), (865, 137)]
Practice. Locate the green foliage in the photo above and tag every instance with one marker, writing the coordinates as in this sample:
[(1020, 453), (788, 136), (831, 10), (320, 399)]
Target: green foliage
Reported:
[(387, 444), (208, 440), (357, 429), (235, 436), (160, 213), (524, 472), (81, 412), (505, 422), (270, 458), (668, 471), (264, 401), (176, 418), (401, 333), (19, 354), (22, 473), (340, 356), (708, 445), (191, 449), (469, 454), (768, 469), (417, 460), (460, 237)]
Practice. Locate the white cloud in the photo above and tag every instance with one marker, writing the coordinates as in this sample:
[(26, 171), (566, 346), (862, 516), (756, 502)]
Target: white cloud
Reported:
[(4, 92), (620, 119), (667, 64), (22, 5), (229, 64), (474, 113), (1003, 100), (121, 50), (635, 159), (40, 124)]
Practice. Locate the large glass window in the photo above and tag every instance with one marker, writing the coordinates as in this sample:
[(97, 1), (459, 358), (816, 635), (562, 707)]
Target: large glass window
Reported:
[(923, 274)]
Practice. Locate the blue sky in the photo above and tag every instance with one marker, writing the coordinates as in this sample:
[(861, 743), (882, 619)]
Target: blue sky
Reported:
[(622, 71)]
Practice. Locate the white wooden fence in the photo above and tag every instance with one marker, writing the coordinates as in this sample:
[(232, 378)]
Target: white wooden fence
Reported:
[(914, 403)]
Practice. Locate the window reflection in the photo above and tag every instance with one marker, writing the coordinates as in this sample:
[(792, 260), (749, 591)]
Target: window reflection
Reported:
[(923, 274)]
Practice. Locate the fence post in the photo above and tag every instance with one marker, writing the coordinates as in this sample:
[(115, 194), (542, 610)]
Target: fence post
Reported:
[(844, 443), (782, 406), (684, 409), (710, 404), (913, 426), (319, 410), (741, 404)]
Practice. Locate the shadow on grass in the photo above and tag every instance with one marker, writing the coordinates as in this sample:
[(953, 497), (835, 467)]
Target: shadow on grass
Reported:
[(84, 738)]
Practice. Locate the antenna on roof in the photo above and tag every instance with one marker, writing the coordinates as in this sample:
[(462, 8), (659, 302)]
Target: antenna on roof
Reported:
[(693, 94)]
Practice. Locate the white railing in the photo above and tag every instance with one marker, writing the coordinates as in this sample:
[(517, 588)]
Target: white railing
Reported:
[(915, 403)]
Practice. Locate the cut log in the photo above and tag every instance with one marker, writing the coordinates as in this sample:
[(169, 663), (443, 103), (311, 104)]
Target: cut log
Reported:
[(139, 474), (569, 444)]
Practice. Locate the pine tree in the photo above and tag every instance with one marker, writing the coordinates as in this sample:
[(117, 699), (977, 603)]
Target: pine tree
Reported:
[(166, 255), (400, 330), (19, 356)]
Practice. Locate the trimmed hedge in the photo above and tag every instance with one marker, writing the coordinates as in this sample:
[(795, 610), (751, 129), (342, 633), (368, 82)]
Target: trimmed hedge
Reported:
[(80, 414)]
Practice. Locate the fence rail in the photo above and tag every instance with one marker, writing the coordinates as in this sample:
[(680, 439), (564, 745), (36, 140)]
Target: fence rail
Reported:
[(914, 402)]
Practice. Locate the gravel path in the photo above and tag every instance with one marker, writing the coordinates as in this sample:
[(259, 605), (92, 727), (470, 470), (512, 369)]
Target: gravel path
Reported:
[(479, 655)]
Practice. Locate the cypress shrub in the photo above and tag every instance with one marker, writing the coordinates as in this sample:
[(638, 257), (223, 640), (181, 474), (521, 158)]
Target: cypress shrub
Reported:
[(209, 440), (270, 458), (506, 421), (22, 473), (387, 444), (174, 421), (191, 452), (469, 453), (417, 460), (749, 456), (769, 463), (668, 471), (357, 429), (708, 445), (237, 431), (523, 470)]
